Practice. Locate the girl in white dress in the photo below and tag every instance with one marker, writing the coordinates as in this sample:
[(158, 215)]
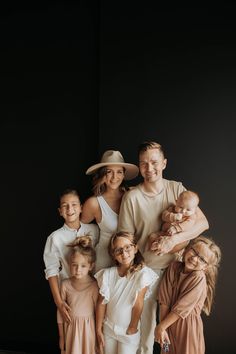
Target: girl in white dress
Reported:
[(122, 291), (104, 206)]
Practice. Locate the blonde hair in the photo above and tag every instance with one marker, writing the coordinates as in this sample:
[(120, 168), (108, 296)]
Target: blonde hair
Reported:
[(82, 245), (189, 195), (211, 270), (138, 261), (149, 145)]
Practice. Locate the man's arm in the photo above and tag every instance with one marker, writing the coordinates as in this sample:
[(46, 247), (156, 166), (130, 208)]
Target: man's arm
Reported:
[(167, 243)]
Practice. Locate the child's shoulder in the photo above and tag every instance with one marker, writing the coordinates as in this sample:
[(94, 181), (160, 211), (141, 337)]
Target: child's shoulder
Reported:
[(146, 274), (90, 227), (57, 233)]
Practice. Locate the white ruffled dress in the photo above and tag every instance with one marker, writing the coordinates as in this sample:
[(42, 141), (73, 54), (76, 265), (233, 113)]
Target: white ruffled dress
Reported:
[(120, 294)]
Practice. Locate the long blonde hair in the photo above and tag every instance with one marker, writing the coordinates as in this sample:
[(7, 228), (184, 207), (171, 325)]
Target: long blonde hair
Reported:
[(138, 261), (211, 270)]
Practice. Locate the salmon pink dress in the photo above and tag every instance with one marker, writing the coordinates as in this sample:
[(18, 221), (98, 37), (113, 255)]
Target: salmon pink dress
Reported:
[(80, 335)]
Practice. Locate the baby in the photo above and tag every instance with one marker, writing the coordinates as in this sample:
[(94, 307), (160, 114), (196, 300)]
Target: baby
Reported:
[(177, 218)]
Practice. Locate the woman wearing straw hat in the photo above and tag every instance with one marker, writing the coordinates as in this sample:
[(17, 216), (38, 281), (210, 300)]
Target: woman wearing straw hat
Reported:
[(104, 205)]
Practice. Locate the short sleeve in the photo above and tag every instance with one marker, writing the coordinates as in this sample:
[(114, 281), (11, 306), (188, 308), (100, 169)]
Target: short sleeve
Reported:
[(192, 289), (102, 277), (146, 277), (126, 214), (166, 284)]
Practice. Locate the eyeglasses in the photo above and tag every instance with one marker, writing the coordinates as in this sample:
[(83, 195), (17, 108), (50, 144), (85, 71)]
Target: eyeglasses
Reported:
[(201, 259), (120, 251)]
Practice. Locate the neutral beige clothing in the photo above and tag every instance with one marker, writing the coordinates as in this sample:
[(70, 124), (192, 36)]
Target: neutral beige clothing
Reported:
[(80, 332), (185, 295), (107, 226), (141, 214), (185, 224), (56, 251)]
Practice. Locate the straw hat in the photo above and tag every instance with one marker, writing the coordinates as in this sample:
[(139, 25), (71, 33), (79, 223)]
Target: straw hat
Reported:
[(111, 157)]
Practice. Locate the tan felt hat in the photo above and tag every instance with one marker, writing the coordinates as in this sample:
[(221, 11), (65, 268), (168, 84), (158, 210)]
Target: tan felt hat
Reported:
[(111, 157)]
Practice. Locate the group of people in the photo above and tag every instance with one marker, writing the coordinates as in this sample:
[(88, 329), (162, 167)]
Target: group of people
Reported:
[(131, 265)]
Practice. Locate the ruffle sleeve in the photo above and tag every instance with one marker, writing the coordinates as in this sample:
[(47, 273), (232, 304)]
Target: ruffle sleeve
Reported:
[(102, 277), (146, 277)]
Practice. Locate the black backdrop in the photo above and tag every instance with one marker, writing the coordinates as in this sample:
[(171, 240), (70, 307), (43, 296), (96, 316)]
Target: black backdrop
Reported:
[(79, 77)]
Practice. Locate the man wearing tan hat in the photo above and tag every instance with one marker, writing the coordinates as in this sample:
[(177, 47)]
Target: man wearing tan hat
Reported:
[(140, 213)]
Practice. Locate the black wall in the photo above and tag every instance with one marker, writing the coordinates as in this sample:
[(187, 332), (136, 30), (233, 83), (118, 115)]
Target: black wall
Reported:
[(79, 77)]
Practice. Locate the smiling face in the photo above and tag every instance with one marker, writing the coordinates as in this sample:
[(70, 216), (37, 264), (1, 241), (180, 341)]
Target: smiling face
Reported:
[(197, 257), (114, 176), (151, 165), (70, 208), (124, 251), (80, 266)]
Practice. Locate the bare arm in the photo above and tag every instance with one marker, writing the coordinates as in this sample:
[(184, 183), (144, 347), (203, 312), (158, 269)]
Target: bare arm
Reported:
[(167, 243), (62, 306), (100, 314), (61, 336), (90, 211), (161, 335), (136, 312), (169, 215)]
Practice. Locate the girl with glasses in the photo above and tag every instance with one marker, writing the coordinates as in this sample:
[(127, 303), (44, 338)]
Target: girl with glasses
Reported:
[(123, 289), (186, 289)]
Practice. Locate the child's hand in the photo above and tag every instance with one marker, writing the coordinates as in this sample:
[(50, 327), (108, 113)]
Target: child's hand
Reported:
[(161, 335), (101, 342), (131, 330), (65, 309)]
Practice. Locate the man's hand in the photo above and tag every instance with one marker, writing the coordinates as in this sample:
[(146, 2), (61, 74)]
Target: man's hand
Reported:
[(164, 245)]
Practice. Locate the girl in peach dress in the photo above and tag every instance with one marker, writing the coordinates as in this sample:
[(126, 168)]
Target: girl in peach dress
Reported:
[(80, 291), (185, 290)]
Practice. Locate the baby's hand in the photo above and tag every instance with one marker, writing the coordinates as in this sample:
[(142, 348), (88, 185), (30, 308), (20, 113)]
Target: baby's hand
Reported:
[(153, 238), (171, 231), (154, 246), (178, 217)]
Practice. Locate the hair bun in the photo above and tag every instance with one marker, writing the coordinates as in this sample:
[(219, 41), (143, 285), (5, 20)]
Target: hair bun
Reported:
[(82, 241)]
